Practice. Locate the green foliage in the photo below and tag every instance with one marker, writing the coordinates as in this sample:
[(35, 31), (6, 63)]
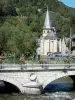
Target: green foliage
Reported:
[(9, 10), (15, 38), (21, 23)]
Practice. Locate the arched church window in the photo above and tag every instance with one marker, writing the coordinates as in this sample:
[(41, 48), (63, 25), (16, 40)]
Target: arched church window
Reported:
[(44, 31), (52, 41), (48, 31)]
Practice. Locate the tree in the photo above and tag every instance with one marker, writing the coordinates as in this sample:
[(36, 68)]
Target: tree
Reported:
[(9, 10)]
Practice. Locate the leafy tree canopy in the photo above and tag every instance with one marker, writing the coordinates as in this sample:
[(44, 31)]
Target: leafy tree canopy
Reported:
[(21, 23)]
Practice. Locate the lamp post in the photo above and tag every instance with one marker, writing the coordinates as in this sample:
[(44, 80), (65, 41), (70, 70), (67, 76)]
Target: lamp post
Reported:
[(14, 58), (70, 43), (43, 47), (70, 37), (70, 30)]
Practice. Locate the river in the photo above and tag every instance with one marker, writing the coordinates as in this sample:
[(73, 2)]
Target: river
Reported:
[(67, 85), (46, 96)]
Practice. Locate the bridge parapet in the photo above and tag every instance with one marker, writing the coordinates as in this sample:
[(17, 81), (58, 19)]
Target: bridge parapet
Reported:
[(36, 66)]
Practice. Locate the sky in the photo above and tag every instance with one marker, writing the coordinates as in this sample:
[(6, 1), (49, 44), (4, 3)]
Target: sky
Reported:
[(70, 3)]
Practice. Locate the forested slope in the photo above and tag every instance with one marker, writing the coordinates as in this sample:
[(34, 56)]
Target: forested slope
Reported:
[(21, 23)]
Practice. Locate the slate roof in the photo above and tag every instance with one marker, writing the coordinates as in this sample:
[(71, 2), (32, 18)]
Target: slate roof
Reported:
[(51, 36), (73, 37)]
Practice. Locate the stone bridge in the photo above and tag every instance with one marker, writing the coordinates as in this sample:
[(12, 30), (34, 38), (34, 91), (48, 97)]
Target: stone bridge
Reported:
[(33, 78)]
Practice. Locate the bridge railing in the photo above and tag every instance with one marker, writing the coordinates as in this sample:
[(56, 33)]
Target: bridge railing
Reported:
[(35, 66)]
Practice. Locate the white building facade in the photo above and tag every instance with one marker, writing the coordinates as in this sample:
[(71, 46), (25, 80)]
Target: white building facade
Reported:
[(49, 42)]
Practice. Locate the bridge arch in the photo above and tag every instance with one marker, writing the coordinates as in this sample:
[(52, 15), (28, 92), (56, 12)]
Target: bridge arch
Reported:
[(58, 75), (12, 81)]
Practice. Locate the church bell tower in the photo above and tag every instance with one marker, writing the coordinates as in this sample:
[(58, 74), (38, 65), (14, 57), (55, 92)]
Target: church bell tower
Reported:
[(47, 24)]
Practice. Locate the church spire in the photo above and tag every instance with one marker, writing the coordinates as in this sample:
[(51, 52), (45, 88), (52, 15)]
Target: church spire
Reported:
[(47, 23)]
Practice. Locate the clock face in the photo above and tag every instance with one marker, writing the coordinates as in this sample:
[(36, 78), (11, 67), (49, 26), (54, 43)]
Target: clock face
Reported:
[(33, 77)]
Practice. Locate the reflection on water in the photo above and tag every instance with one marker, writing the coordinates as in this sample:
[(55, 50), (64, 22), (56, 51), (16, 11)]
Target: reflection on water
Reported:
[(58, 87), (47, 96)]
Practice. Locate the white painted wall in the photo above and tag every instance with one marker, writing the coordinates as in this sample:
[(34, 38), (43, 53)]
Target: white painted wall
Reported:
[(64, 48), (60, 45), (46, 44), (46, 32)]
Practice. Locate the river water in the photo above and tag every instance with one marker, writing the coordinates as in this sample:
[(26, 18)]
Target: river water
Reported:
[(46, 96)]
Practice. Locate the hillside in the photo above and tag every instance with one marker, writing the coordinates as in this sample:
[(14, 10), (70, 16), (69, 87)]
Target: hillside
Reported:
[(21, 23)]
